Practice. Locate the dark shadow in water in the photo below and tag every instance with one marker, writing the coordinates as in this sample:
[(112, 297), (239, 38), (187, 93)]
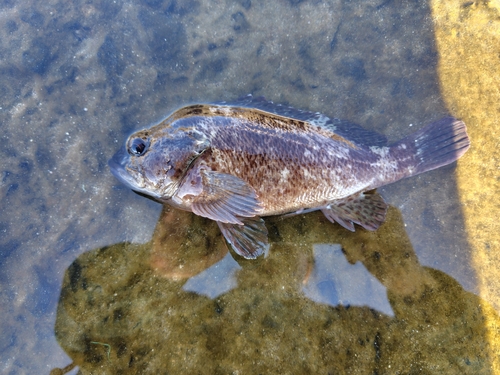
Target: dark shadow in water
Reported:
[(182, 304)]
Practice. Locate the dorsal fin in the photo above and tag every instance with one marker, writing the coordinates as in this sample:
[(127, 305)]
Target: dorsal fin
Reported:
[(348, 130), (357, 134)]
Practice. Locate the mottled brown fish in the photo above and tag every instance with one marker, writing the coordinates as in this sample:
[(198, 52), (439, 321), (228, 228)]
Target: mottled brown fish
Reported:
[(234, 163)]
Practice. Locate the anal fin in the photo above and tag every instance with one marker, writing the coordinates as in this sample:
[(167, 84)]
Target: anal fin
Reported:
[(366, 209), (248, 240)]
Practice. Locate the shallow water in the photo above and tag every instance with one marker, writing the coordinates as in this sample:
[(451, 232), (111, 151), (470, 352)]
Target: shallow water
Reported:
[(95, 275)]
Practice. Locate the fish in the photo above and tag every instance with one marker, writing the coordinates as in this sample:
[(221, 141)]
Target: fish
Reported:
[(238, 162)]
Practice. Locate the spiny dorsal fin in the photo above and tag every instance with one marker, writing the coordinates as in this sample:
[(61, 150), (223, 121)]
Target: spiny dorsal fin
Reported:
[(348, 130)]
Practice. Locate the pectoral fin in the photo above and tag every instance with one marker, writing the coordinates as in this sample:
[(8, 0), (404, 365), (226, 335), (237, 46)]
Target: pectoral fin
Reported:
[(249, 239), (366, 209), (225, 198)]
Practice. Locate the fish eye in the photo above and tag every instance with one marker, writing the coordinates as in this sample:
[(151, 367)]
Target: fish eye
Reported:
[(137, 147)]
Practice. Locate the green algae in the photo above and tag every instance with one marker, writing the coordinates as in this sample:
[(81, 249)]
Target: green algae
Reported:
[(265, 323), (468, 40)]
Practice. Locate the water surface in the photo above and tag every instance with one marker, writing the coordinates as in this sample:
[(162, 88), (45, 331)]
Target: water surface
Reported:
[(95, 275)]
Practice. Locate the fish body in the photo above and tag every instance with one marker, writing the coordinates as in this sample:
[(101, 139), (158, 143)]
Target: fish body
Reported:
[(235, 163)]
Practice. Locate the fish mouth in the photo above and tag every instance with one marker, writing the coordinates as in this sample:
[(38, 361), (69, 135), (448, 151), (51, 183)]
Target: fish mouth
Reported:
[(118, 165)]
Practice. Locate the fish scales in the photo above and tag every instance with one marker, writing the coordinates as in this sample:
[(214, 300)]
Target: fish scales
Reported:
[(237, 162), (288, 172)]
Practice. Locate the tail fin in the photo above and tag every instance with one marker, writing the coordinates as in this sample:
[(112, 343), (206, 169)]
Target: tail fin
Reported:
[(437, 144)]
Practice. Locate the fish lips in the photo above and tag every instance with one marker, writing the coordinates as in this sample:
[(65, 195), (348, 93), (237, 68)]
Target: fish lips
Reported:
[(118, 164)]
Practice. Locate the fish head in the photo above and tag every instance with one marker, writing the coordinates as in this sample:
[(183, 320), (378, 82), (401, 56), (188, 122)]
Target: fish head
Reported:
[(154, 163)]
